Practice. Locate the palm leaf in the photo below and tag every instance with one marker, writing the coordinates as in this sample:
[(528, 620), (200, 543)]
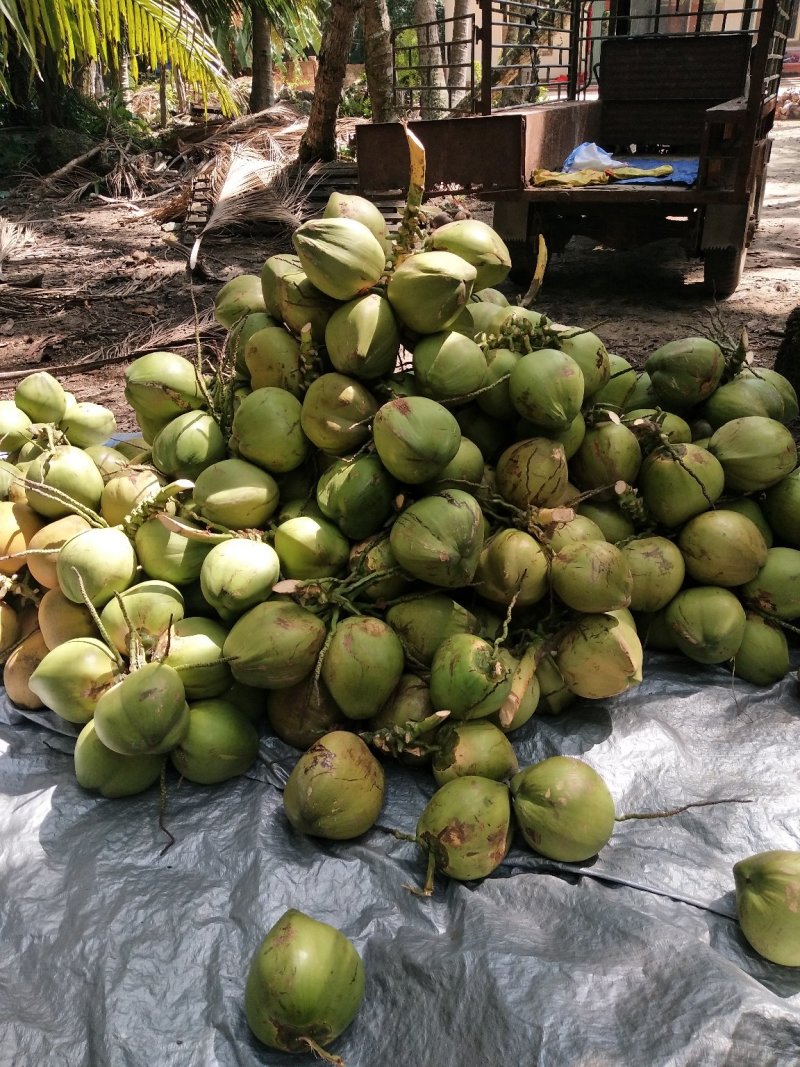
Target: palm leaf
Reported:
[(254, 187)]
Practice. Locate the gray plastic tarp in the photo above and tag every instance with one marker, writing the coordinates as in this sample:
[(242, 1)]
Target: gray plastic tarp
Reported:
[(114, 953)]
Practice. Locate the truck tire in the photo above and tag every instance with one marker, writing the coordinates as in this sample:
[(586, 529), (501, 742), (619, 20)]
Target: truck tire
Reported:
[(722, 270)]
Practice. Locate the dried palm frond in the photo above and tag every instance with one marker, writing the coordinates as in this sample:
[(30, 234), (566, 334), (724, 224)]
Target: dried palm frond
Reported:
[(253, 187), (13, 238)]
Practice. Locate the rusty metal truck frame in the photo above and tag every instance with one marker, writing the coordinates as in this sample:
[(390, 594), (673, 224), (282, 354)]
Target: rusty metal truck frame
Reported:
[(671, 79)]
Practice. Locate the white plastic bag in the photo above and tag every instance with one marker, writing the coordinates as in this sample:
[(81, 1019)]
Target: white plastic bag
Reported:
[(589, 156)]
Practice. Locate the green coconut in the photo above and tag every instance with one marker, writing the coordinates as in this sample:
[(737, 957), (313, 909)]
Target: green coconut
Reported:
[(473, 748), (272, 360), (547, 387), (590, 354), (187, 445), (469, 678), (340, 256), (591, 576), (776, 587), (236, 494), (303, 713), (512, 566), (708, 623), (304, 986), (238, 574), (110, 773), (723, 548), (657, 568), (162, 385), (744, 395), (599, 657), (357, 494), (41, 397), (439, 538), (767, 889), (763, 656), (169, 556), (239, 297), (336, 412), (564, 809), (274, 645), (336, 788), (755, 452), (415, 438), (266, 431), (193, 646), (679, 482), (362, 337), (144, 714), (608, 453), (363, 663), (425, 622), (428, 289), (449, 366), (311, 548), (685, 372), (478, 244), (68, 471), (220, 743), (147, 608), (532, 473), (466, 828)]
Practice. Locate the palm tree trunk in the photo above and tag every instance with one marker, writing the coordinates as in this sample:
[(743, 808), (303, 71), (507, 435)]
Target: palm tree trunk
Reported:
[(378, 59), (262, 93), (433, 98), (458, 54), (319, 140)]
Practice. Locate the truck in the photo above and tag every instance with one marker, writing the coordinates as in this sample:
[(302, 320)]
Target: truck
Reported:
[(689, 85)]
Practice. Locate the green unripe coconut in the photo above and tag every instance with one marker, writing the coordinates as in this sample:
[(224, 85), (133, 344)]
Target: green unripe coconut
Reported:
[(564, 809), (439, 538), (101, 561), (415, 438), (466, 827), (362, 665), (274, 645), (41, 397), (311, 548), (266, 430), (220, 743), (362, 337), (187, 445), (428, 289), (72, 677), (767, 890), (144, 714), (478, 244), (304, 986), (239, 297), (475, 748), (340, 256), (469, 678), (87, 424), (110, 773), (238, 574), (708, 623), (335, 790)]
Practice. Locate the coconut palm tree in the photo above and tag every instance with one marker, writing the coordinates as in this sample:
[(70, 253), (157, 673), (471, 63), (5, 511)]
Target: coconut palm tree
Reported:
[(73, 32)]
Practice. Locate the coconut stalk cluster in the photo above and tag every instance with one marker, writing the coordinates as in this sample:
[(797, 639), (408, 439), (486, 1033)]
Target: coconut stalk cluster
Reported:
[(397, 518)]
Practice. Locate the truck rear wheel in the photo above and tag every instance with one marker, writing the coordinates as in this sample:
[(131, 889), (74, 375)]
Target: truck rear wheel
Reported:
[(722, 270)]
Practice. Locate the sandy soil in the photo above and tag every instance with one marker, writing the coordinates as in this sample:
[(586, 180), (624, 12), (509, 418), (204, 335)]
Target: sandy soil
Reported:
[(107, 273)]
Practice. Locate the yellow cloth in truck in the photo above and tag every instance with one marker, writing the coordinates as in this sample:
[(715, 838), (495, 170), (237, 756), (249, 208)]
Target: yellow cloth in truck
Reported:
[(596, 177)]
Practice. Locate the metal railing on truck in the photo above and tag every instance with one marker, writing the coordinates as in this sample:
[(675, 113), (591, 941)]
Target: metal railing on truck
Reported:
[(533, 52)]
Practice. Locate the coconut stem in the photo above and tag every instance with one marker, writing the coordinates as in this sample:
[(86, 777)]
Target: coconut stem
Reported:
[(430, 874), (684, 807), (409, 231), (60, 497), (397, 739), (96, 620), (135, 646), (318, 1050), (162, 808)]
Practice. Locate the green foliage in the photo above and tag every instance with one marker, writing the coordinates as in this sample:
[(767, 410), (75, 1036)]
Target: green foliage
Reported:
[(407, 58), (355, 101)]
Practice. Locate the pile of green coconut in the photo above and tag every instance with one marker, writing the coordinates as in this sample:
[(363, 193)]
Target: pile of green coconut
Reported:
[(398, 517)]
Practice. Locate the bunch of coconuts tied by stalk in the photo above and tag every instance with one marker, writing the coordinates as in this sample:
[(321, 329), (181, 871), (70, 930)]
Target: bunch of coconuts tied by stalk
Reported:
[(398, 516)]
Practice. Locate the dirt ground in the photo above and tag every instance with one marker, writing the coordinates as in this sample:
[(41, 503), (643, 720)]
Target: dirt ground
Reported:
[(101, 273)]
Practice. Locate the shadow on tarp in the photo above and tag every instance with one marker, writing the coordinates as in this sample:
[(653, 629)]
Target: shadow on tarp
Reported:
[(118, 952)]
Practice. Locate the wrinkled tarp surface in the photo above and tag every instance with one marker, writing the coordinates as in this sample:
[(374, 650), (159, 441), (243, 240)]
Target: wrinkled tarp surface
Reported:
[(114, 953)]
